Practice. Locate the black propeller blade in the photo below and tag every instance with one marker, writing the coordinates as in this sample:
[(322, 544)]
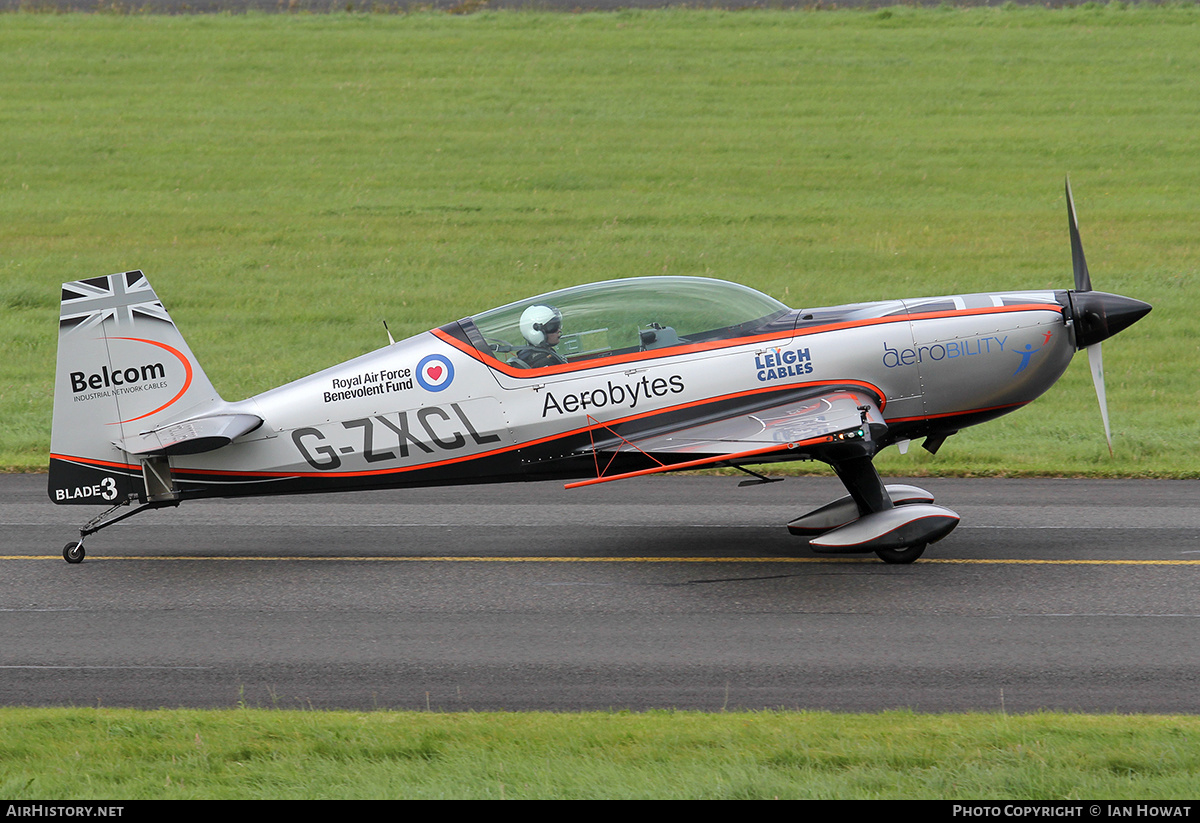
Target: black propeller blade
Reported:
[(1083, 281)]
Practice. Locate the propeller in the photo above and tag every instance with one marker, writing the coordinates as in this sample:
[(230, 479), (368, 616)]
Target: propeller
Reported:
[(1097, 315), (1083, 283)]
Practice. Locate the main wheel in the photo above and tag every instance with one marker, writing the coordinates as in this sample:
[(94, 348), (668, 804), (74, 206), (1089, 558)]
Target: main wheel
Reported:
[(898, 556), (73, 552)]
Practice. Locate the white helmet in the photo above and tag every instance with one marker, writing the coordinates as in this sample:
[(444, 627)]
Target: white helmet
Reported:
[(538, 321)]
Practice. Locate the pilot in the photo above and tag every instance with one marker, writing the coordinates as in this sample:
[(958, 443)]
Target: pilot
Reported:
[(541, 326)]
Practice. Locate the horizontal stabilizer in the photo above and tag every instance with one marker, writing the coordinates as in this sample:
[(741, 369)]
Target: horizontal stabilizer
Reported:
[(201, 434)]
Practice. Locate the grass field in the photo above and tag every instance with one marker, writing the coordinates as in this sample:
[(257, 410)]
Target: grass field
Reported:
[(288, 182), (253, 754)]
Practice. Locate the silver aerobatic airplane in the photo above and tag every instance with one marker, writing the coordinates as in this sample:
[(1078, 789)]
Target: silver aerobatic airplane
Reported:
[(593, 383)]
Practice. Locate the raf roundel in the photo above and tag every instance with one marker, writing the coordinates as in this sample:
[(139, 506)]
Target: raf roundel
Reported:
[(435, 372)]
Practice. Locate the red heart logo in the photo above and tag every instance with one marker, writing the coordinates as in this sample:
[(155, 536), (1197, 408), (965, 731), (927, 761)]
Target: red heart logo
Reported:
[(434, 372)]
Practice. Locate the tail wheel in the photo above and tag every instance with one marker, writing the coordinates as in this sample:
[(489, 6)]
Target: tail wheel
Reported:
[(73, 552), (901, 556)]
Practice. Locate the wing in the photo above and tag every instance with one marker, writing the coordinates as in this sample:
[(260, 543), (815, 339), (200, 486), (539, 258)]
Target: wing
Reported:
[(795, 429)]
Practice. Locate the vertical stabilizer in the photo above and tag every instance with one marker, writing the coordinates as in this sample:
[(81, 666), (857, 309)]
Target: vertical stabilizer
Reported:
[(123, 369)]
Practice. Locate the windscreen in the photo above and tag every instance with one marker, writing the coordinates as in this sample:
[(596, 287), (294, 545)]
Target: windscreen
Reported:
[(638, 314)]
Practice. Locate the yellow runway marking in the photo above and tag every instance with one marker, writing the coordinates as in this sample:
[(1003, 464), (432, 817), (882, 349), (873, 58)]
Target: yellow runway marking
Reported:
[(441, 559)]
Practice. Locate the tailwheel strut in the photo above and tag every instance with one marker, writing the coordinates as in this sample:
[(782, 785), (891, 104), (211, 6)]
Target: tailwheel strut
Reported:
[(74, 553)]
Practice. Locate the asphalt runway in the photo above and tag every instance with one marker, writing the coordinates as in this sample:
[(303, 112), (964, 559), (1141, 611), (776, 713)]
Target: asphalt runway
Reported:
[(664, 592)]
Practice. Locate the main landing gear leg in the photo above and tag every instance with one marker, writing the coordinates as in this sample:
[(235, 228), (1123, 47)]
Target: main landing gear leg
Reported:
[(896, 523), (862, 480), (859, 476)]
